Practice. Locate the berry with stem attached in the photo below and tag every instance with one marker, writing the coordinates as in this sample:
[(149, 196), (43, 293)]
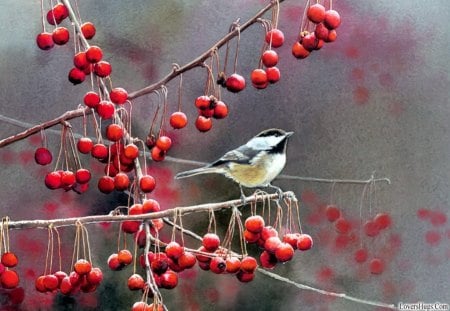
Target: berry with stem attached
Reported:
[(178, 120), (276, 36)]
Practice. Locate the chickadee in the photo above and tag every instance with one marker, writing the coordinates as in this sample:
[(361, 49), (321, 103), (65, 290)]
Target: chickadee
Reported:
[(252, 165)]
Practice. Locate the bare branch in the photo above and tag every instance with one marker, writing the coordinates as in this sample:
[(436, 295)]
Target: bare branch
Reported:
[(327, 293)]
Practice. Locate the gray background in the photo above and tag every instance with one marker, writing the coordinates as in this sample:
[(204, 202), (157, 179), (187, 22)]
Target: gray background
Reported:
[(375, 100)]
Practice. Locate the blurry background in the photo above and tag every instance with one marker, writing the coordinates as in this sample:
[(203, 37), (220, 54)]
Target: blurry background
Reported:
[(374, 100)]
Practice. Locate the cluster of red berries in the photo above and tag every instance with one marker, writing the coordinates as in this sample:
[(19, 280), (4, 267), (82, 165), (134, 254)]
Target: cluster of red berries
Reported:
[(9, 278), (143, 306), (271, 74), (275, 249), (132, 226), (84, 277), (326, 22), (219, 261), (371, 228), (209, 107)]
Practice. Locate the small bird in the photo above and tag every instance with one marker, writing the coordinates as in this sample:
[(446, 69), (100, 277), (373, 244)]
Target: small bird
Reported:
[(252, 165)]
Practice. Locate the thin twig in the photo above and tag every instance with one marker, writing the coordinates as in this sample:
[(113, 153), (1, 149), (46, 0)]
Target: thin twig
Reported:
[(327, 293)]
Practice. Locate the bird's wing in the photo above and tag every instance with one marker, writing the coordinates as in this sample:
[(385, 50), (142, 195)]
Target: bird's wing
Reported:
[(241, 155)]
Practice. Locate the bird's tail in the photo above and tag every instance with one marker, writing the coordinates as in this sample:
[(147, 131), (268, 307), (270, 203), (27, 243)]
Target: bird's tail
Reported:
[(199, 171)]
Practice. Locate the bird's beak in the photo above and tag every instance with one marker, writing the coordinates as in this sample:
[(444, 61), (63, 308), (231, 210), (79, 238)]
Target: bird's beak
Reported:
[(288, 134)]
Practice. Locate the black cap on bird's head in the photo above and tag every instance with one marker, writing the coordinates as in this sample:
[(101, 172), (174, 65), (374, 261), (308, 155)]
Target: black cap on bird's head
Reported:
[(272, 140), (274, 132)]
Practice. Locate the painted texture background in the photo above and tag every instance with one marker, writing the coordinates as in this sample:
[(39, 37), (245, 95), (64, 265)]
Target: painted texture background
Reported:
[(375, 100)]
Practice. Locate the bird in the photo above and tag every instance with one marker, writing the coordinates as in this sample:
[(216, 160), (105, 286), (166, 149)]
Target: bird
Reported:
[(252, 165)]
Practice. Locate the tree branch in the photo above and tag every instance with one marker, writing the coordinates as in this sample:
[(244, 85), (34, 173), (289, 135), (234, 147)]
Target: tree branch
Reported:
[(43, 224), (200, 59)]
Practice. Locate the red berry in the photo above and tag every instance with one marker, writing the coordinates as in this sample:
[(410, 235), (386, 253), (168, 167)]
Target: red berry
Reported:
[(106, 184), (88, 30), (9, 259), (44, 41), (321, 32), (304, 242), (94, 54), (291, 238), (272, 243), (276, 36), (60, 275), (268, 260), (211, 242), (91, 99), (316, 13), (118, 95), (332, 19), (233, 264), (60, 35), (187, 260), (51, 282), (332, 212), (136, 282), (66, 287), (254, 224), (9, 279), (342, 225), (85, 145), (53, 180), (203, 124), (299, 51), (141, 306), (267, 232), (113, 262), (178, 120), (258, 77), (121, 181), (105, 109), (383, 220), (284, 252), (235, 83), (371, 228), (131, 151), (150, 206), (102, 69), (251, 237), (174, 250), (207, 113), (95, 276), (164, 143), (245, 277), (82, 266), (80, 61), (76, 76), (360, 255), (57, 14), (125, 257), (157, 154), (75, 278), (220, 111), (43, 156), (114, 132), (82, 176), (203, 102), (310, 41), (147, 183), (99, 151), (159, 264), (376, 266), (217, 265), (39, 284), (68, 179), (273, 74), (169, 279), (332, 35), (248, 264), (269, 58)]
